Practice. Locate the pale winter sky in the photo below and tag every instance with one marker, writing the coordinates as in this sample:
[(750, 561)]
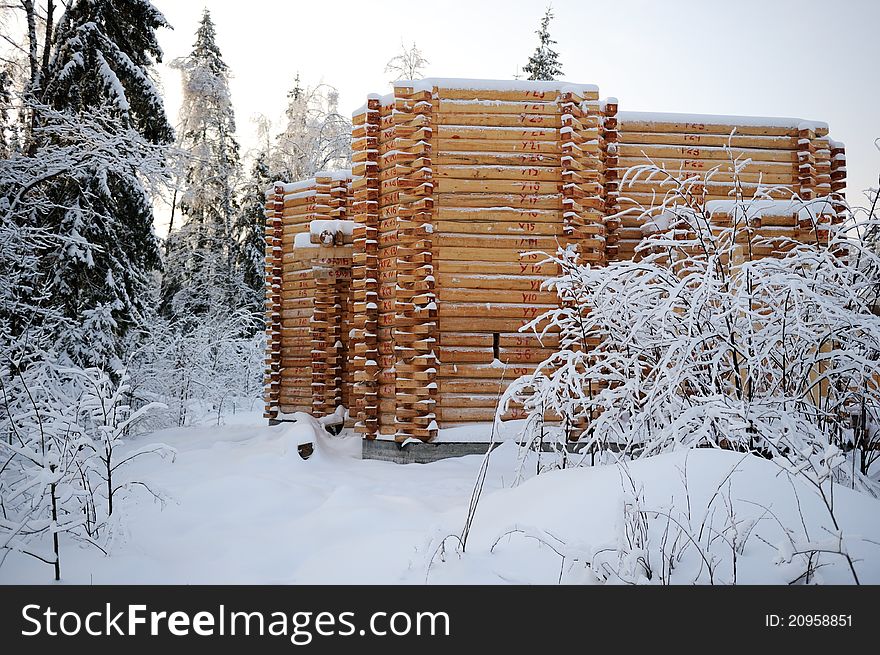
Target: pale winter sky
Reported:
[(809, 59)]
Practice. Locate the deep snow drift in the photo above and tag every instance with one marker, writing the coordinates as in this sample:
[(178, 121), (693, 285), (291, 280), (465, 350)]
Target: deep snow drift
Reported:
[(243, 507)]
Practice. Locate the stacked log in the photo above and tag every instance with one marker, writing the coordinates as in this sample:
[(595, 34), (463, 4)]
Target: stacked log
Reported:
[(308, 311), (274, 210), (331, 266), (391, 164), (838, 178), (776, 155), (516, 169), (609, 138), (408, 311), (415, 318), (364, 284), (774, 226)]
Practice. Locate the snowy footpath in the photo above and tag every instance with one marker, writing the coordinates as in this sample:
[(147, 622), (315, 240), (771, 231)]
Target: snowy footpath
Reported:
[(241, 506)]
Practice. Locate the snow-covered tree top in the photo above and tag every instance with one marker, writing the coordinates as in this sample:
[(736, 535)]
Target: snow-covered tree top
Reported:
[(720, 119)]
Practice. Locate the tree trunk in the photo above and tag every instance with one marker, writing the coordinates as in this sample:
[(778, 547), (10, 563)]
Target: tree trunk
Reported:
[(109, 486), (47, 41), (55, 533)]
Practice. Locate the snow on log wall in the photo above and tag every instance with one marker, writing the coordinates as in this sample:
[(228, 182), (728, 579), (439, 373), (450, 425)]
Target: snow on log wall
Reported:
[(411, 318)]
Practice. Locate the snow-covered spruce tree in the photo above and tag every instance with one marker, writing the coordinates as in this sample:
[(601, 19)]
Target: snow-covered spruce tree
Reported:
[(701, 342), (201, 274), (316, 136), (544, 62), (98, 76), (250, 232), (408, 64)]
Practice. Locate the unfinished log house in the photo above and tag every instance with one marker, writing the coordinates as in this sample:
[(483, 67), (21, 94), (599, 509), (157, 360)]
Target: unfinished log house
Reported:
[(397, 289)]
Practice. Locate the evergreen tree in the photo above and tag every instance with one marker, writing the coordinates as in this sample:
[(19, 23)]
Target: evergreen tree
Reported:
[(544, 63), (201, 272), (98, 94), (251, 234)]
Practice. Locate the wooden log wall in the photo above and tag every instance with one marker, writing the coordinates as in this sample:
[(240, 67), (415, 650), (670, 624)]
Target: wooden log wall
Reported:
[(452, 184), (365, 269), (517, 171), (412, 322), (784, 157), (308, 312), (274, 210)]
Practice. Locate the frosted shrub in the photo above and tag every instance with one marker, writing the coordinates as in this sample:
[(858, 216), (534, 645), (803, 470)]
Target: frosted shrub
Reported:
[(701, 342), (62, 434), (201, 367)]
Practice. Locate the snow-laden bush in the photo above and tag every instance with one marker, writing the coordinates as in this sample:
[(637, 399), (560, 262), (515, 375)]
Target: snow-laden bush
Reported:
[(62, 458), (200, 367), (699, 341)]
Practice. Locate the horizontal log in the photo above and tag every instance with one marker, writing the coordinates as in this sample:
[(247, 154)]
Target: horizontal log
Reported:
[(697, 139), (486, 386), (468, 106), (486, 400), (529, 268), (713, 188), (507, 94), (655, 151), (498, 214), (476, 415), (484, 324), (459, 294), (498, 158), (720, 175), (480, 310), (723, 165), (523, 283), (529, 146), (506, 340), (446, 185), (491, 133), (513, 256), (723, 129), (498, 172), (516, 201), (497, 243), (497, 120), (524, 227)]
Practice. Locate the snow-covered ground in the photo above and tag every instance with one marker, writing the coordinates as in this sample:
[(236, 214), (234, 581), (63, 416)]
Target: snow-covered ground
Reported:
[(243, 507)]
